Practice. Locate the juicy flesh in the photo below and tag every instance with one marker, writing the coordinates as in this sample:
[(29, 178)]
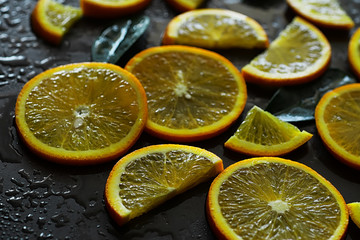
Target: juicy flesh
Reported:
[(275, 201), (218, 31), (324, 9), (342, 116), (186, 91), (82, 109), (262, 128), (295, 50), (152, 179), (62, 16)]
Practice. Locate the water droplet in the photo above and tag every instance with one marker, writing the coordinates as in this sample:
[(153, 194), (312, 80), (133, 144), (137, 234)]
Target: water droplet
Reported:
[(26, 229), (41, 222), (60, 220)]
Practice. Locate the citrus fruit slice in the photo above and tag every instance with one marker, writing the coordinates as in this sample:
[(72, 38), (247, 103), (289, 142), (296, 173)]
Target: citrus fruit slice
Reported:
[(273, 198), (193, 94), (354, 210), (185, 5), (337, 118), (52, 20), (149, 176), (215, 28), (83, 113), (112, 8), (323, 13), (354, 52), (263, 134), (300, 53)]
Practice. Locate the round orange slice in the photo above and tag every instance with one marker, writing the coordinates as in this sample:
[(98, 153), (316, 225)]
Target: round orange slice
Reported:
[(112, 8), (263, 134), (354, 210), (300, 54), (83, 113), (52, 20), (215, 28), (147, 177), (337, 118), (185, 5), (193, 94), (322, 13), (274, 198), (354, 52)]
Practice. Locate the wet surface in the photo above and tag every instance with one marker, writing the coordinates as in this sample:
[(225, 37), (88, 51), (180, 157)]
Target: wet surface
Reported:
[(42, 200)]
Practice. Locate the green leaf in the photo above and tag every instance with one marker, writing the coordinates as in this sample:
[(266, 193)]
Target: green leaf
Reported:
[(118, 38), (297, 103)]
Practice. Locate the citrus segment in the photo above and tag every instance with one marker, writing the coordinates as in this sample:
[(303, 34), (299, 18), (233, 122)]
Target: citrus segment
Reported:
[(193, 94), (149, 176), (300, 54), (354, 52), (337, 118), (52, 20), (215, 28), (83, 113), (112, 8), (273, 198), (354, 210), (262, 134), (326, 13), (185, 5)]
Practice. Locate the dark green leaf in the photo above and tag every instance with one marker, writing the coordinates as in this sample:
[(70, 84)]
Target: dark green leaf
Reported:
[(297, 103), (117, 39)]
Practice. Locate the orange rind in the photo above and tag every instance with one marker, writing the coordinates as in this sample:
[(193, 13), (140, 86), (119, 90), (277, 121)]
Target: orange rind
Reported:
[(215, 28), (52, 20), (301, 53), (262, 134), (147, 177), (327, 14), (274, 198), (337, 116), (82, 113), (193, 94), (112, 8)]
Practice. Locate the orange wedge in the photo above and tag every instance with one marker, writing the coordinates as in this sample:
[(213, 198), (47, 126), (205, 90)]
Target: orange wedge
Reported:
[(193, 94), (262, 134), (273, 198), (52, 20), (354, 52), (112, 8), (300, 54), (354, 210), (215, 28), (83, 113), (322, 13), (337, 118), (185, 5), (146, 178)]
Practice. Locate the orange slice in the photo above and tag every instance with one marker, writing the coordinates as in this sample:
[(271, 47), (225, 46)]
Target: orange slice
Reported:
[(83, 113), (193, 94), (262, 134), (300, 54), (326, 13), (274, 198), (354, 210), (215, 28), (52, 20), (185, 5), (337, 118), (354, 52), (146, 178), (112, 8)]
